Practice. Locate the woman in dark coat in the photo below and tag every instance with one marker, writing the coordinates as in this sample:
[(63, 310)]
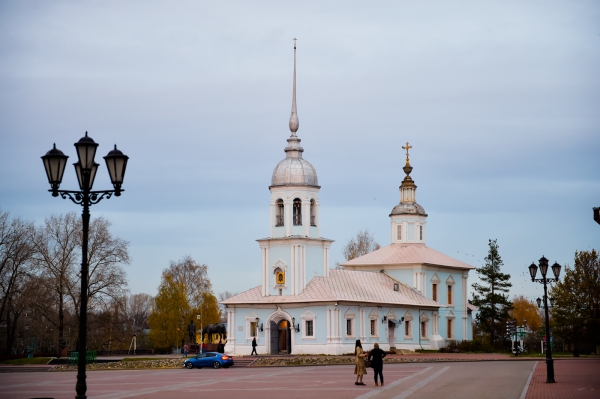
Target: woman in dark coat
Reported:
[(376, 358)]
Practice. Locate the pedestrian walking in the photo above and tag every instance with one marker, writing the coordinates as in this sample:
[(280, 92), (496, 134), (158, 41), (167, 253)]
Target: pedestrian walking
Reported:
[(254, 347), (197, 349), (376, 358), (360, 368), (186, 348)]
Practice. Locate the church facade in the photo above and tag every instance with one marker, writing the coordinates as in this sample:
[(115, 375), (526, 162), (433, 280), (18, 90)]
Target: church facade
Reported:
[(403, 296)]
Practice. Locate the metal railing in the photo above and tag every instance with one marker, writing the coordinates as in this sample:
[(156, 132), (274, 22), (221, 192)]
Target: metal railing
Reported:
[(279, 220)]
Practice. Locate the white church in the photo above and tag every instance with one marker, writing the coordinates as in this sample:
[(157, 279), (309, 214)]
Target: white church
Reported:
[(403, 296)]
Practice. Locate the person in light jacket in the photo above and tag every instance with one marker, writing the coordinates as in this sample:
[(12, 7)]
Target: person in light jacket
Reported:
[(376, 358), (360, 368)]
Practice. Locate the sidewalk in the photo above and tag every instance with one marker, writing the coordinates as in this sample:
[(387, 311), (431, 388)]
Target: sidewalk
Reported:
[(575, 378)]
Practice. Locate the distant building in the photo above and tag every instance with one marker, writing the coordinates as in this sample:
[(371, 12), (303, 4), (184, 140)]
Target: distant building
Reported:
[(404, 296)]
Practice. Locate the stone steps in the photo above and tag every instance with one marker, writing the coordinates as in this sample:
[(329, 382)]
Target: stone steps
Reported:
[(242, 362)]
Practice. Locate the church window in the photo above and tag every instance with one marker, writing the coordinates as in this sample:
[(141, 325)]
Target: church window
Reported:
[(309, 328), (423, 329), (297, 207), (434, 293), (407, 329), (308, 320), (373, 328), (279, 214), (420, 233), (349, 327), (251, 326), (399, 232), (450, 295), (450, 332), (313, 222)]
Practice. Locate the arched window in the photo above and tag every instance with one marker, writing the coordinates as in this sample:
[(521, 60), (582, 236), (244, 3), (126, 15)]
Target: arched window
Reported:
[(312, 213), (279, 213), (297, 212)]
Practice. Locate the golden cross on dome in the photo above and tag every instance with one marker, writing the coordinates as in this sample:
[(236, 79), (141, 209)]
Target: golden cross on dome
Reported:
[(408, 147)]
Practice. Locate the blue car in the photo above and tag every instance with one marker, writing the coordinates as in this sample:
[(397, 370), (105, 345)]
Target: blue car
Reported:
[(209, 359)]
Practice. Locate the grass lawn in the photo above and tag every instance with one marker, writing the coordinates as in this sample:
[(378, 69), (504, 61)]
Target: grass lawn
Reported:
[(35, 360)]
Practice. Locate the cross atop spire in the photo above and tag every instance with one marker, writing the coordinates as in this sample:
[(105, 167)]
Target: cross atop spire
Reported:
[(294, 123), (408, 147)]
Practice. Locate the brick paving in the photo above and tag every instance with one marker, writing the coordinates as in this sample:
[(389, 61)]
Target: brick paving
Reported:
[(575, 378)]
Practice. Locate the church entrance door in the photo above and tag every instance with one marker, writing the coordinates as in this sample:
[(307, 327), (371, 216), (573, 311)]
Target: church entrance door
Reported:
[(274, 338), (285, 338), (392, 334)]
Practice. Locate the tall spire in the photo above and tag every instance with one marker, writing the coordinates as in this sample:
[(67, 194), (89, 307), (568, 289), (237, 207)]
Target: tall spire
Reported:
[(293, 149), (294, 123)]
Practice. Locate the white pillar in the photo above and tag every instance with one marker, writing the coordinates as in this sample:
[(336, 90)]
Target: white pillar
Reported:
[(306, 217), (292, 269), (287, 209), (264, 271), (273, 218), (318, 218)]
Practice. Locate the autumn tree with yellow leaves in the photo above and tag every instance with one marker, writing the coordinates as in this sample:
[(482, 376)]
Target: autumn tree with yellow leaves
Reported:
[(185, 291), (525, 312)]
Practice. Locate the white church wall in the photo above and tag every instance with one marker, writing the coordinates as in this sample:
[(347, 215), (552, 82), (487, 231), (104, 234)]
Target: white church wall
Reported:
[(314, 261), (329, 329)]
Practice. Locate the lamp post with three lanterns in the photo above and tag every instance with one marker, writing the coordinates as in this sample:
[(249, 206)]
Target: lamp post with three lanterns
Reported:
[(544, 280), (54, 163)]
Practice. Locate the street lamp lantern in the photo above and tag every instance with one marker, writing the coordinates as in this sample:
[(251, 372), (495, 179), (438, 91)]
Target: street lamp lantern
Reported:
[(116, 162), (54, 163), (85, 177), (556, 270), (533, 270), (539, 302), (85, 168), (543, 266), (551, 302), (86, 151)]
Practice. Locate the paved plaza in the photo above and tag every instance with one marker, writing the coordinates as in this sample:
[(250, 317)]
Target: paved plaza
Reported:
[(523, 379)]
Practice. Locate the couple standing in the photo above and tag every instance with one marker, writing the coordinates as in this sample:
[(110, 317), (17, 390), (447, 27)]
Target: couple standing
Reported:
[(375, 357)]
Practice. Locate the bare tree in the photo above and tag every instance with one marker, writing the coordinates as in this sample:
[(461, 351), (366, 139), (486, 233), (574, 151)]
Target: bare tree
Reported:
[(58, 244), (192, 276), (107, 280), (223, 296), (362, 244), (16, 269), (137, 309), (57, 254), (226, 295)]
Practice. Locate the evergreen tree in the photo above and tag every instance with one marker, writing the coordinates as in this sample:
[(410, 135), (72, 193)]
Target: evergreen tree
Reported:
[(491, 297)]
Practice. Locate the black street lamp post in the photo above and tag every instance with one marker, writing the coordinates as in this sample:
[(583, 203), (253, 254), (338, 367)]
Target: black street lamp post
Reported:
[(556, 271), (54, 163)]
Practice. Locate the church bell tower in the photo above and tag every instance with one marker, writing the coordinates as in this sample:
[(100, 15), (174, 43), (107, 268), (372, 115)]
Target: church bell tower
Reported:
[(294, 252)]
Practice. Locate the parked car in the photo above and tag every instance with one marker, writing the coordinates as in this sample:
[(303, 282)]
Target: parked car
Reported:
[(209, 359)]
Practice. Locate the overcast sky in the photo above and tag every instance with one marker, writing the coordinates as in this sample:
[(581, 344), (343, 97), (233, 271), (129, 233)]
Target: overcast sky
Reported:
[(500, 101)]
